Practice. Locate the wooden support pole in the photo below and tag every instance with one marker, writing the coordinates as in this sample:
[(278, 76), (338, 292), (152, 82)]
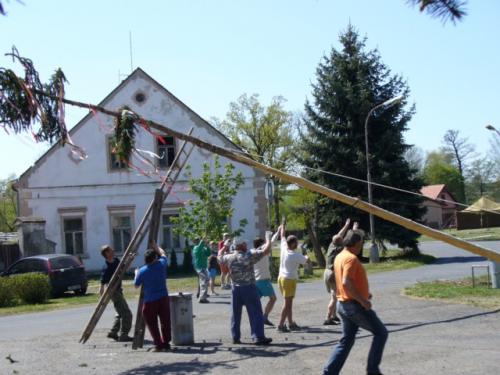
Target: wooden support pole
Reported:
[(131, 251)]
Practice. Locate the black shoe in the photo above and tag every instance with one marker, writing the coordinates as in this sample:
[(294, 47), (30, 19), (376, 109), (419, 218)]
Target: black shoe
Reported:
[(331, 322), (204, 301), (336, 319), (294, 327), (236, 341), (112, 335), (282, 329), (267, 322), (263, 341), (166, 347), (125, 338)]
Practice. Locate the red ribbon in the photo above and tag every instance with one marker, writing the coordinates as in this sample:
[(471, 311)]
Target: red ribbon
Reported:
[(145, 125)]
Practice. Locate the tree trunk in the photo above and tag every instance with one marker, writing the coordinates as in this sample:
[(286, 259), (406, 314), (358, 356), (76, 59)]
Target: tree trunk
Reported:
[(316, 246)]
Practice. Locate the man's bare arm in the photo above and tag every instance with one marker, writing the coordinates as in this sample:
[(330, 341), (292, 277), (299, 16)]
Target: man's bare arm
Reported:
[(344, 229), (158, 249)]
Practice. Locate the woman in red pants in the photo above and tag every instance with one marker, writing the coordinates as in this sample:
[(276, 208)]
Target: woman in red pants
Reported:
[(152, 276)]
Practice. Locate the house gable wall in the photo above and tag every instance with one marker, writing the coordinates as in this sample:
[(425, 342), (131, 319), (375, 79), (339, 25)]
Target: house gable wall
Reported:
[(59, 181)]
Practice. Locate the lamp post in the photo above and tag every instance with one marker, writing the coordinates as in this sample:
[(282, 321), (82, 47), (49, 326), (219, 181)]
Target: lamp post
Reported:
[(494, 266), (374, 255), (492, 128)]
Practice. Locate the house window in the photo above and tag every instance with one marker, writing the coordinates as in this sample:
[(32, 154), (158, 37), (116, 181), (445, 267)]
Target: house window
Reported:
[(166, 151), (74, 235), (114, 163), (121, 228), (169, 239)]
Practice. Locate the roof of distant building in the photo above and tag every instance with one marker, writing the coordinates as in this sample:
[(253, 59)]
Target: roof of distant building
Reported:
[(432, 191)]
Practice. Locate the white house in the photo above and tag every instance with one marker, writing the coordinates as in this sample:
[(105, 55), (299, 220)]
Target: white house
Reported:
[(441, 207), (98, 201)]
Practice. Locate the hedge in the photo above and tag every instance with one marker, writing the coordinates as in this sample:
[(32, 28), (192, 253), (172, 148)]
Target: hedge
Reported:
[(28, 288), (7, 295)]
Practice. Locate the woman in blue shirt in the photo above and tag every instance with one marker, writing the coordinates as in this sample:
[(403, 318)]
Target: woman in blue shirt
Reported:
[(152, 276)]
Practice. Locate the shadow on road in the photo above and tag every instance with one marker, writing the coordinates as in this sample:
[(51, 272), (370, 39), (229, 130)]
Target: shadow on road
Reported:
[(458, 259), (241, 353), (194, 366), (452, 320)]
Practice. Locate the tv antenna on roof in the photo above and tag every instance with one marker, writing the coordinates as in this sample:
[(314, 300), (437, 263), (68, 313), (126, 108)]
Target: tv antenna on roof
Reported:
[(122, 76), (130, 45)]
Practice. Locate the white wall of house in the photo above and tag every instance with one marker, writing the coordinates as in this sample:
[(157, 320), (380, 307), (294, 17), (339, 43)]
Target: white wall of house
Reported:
[(434, 215), (59, 188)]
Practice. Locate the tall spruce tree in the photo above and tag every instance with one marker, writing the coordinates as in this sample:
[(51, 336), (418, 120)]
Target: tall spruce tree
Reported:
[(350, 82)]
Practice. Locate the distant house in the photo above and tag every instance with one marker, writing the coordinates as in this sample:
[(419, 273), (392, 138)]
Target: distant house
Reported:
[(86, 204), (441, 207)]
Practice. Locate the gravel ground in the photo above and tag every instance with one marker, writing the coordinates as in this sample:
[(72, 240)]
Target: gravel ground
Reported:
[(426, 337)]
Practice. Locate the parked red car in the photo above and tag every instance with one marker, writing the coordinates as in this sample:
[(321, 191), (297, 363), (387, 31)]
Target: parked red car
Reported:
[(66, 272)]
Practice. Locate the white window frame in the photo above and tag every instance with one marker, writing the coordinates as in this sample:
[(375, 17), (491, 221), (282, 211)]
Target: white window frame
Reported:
[(172, 211), (116, 212), (69, 213), (109, 157), (158, 144)]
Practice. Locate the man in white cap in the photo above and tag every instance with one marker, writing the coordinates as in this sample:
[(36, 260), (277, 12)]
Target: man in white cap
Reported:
[(244, 291)]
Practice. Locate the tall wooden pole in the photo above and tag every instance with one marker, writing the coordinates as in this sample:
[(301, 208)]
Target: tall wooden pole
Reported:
[(355, 202), (309, 185)]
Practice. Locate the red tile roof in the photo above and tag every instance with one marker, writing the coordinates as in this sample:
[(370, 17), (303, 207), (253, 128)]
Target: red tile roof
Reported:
[(432, 191)]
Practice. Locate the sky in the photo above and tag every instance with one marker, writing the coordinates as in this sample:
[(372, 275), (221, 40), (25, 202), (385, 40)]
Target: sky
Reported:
[(209, 52)]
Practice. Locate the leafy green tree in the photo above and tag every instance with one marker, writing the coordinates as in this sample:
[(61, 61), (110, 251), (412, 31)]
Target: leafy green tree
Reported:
[(480, 180), (440, 170), (301, 208), (350, 82), (414, 155), (208, 214), (265, 132), (8, 205)]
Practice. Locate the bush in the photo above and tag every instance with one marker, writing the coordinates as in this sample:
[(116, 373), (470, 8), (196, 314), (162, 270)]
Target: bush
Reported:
[(173, 267), (31, 288), (187, 263), (7, 295)]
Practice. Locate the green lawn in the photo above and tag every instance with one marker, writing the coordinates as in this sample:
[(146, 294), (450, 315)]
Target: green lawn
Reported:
[(175, 284), (459, 291), (483, 234), (394, 260)]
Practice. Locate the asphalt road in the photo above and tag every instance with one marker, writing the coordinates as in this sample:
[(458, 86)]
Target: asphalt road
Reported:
[(427, 337)]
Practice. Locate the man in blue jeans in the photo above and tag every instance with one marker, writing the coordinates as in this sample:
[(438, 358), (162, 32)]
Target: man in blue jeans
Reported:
[(355, 308), (244, 291)]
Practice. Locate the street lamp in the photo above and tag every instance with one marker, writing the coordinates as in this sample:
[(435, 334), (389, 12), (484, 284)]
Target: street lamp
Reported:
[(494, 266), (492, 128), (374, 255)]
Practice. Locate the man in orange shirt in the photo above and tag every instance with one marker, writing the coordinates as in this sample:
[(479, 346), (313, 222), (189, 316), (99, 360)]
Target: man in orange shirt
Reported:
[(355, 308)]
